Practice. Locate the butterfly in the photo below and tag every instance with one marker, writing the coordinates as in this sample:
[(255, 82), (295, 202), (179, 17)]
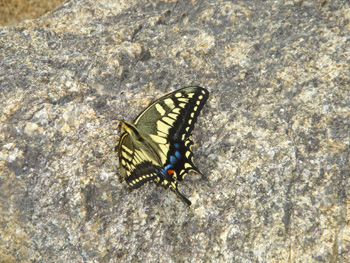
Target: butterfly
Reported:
[(157, 145)]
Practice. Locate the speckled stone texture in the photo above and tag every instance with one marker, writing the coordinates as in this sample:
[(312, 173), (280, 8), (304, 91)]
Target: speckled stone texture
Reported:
[(273, 139)]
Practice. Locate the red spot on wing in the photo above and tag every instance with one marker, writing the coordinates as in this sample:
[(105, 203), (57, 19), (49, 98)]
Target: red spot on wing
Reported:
[(171, 172)]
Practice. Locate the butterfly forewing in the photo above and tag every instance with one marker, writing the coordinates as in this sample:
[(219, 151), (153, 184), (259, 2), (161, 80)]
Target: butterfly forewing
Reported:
[(174, 115), (157, 145)]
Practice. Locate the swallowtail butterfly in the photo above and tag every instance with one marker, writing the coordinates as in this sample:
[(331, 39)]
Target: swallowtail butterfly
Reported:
[(157, 145)]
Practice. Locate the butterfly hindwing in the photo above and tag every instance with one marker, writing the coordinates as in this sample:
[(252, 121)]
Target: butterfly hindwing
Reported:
[(180, 159), (157, 145)]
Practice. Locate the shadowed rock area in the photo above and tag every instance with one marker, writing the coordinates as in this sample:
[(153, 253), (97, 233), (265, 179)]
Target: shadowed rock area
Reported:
[(273, 138)]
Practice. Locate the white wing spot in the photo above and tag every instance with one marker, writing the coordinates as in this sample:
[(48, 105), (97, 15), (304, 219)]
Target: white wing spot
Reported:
[(173, 115), (161, 126), (169, 103), (158, 139), (137, 159), (190, 95), (127, 150), (176, 110), (187, 165), (182, 105), (168, 120), (160, 109), (195, 108), (164, 148), (139, 156), (178, 95), (127, 156), (162, 134)]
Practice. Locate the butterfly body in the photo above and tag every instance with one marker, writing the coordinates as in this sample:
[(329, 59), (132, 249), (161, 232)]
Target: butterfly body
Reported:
[(157, 145)]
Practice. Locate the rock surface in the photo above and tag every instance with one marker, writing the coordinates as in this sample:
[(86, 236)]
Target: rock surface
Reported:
[(273, 139)]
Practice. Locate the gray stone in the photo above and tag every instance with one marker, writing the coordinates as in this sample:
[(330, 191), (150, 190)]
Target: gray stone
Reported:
[(273, 139)]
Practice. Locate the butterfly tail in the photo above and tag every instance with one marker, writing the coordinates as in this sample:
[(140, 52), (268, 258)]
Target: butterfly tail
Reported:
[(183, 198), (204, 177), (174, 187)]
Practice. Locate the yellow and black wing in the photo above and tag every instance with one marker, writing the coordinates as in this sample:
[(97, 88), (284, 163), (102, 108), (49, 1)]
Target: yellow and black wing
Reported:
[(157, 145)]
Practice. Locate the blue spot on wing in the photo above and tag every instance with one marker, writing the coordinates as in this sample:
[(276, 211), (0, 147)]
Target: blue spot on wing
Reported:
[(178, 155), (173, 160), (168, 167)]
